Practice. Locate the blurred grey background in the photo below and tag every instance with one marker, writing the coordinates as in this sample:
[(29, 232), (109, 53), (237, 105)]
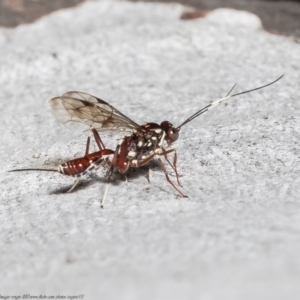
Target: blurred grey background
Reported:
[(279, 17)]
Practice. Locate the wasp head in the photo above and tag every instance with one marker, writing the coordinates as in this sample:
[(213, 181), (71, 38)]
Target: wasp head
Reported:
[(172, 133)]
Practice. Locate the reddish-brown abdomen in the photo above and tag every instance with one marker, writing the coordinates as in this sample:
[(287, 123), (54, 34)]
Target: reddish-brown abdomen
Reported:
[(75, 166), (80, 165)]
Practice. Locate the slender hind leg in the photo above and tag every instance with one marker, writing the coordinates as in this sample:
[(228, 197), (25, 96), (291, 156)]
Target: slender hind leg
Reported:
[(97, 139), (74, 185), (149, 177), (87, 148), (101, 147), (112, 163), (106, 187)]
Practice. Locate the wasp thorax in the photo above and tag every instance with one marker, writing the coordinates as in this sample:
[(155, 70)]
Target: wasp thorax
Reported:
[(171, 132)]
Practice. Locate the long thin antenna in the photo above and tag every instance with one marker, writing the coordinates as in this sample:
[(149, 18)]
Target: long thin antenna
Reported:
[(213, 104), (231, 90)]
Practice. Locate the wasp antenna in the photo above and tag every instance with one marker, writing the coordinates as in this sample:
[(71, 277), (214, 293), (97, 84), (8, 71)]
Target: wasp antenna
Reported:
[(215, 103), (20, 170), (231, 90)]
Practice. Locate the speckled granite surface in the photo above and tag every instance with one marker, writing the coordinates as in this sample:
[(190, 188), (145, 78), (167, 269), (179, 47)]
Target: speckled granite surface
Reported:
[(235, 237)]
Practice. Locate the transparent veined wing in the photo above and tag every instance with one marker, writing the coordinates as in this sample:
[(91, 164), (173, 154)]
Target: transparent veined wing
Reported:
[(78, 109)]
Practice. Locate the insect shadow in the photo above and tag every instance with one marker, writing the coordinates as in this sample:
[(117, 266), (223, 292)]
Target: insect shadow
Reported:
[(81, 186)]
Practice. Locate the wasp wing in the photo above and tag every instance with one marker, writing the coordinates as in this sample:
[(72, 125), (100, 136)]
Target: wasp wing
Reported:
[(77, 108)]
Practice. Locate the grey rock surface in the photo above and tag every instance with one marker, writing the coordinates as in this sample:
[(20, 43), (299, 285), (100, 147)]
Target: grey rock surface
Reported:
[(237, 236)]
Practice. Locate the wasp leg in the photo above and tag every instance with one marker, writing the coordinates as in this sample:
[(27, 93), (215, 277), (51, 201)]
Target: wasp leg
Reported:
[(165, 152), (112, 164), (148, 159), (105, 193), (149, 175), (74, 185), (126, 178), (98, 139), (106, 187), (87, 148), (168, 179)]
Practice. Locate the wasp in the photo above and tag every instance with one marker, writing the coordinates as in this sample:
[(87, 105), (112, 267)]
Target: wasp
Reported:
[(144, 143)]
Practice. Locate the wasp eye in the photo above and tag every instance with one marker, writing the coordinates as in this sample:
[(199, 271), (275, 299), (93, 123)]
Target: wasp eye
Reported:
[(171, 131), (173, 134)]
